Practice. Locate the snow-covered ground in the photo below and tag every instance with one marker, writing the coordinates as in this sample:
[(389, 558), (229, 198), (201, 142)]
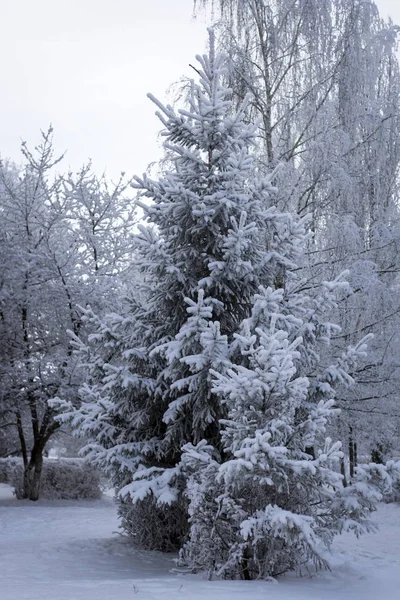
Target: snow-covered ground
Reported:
[(67, 550)]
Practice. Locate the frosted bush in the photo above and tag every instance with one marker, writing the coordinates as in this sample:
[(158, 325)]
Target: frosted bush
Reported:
[(152, 526), (67, 479), (6, 466)]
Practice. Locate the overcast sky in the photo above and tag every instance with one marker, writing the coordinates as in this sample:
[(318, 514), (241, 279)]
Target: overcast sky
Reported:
[(86, 65)]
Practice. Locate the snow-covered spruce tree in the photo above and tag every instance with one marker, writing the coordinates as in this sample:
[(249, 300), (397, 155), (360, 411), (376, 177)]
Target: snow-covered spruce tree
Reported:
[(276, 498), (162, 373), (214, 238)]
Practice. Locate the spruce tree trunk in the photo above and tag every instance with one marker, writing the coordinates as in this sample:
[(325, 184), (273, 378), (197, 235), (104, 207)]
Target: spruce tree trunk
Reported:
[(32, 475)]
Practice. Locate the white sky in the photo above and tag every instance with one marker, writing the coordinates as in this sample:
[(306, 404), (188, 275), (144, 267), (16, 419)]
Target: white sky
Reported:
[(86, 65)]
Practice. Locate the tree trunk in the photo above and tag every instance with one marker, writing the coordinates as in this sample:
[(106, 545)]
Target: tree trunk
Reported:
[(352, 453), (343, 471), (245, 574), (32, 475)]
